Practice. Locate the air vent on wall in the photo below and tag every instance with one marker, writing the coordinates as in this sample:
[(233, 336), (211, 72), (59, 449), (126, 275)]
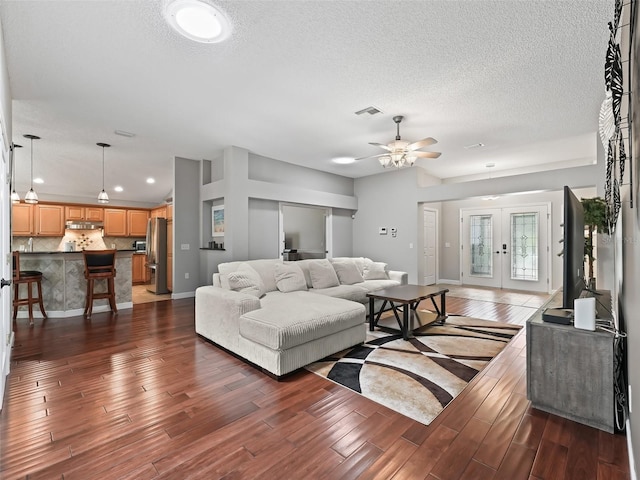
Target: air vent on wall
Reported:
[(369, 110)]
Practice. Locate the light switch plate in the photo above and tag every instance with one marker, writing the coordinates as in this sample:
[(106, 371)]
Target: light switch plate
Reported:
[(184, 246)]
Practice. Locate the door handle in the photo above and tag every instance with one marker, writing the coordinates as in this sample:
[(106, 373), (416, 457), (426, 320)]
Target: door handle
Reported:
[(5, 283)]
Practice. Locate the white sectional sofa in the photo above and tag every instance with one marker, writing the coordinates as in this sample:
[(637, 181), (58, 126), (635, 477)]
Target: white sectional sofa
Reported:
[(282, 316)]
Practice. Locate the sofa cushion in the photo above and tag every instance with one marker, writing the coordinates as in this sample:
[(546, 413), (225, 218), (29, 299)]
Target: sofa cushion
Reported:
[(371, 285), (265, 268), (355, 293), (359, 261), (375, 271), (289, 278), (299, 317), (322, 274), (347, 272), (246, 280)]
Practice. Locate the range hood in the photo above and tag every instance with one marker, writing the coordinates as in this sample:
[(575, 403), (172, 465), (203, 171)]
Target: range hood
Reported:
[(83, 225)]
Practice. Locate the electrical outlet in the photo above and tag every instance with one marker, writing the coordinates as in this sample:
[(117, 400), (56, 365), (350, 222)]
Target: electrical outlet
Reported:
[(186, 276), (411, 245)]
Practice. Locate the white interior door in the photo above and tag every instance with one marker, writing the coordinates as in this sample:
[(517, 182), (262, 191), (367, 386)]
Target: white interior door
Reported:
[(506, 247), (6, 333), (430, 246)]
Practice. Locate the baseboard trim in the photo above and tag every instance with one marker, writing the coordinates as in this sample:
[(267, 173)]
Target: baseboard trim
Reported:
[(75, 312), (178, 296), (449, 282), (632, 462)]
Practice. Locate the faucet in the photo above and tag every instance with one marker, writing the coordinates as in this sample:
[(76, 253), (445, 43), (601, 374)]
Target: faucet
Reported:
[(30, 244)]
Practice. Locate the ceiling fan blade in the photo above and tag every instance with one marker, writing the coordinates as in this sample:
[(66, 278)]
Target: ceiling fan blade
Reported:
[(425, 142), (381, 145), (372, 156), (426, 154)]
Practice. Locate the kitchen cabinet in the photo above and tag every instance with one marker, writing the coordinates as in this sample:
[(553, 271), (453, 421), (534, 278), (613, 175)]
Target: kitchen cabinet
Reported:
[(137, 222), (77, 212), (49, 220), (22, 219), (159, 212), (115, 222), (170, 211), (139, 273)]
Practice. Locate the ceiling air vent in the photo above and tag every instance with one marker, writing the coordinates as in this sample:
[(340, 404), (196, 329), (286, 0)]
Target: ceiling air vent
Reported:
[(369, 110)]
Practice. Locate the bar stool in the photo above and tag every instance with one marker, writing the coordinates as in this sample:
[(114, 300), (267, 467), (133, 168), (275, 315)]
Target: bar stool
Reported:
[(28, 277), (99, 265)]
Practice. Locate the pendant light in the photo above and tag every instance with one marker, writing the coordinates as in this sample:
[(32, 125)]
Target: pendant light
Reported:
[(15, 198), (102, 196), (31, 196)]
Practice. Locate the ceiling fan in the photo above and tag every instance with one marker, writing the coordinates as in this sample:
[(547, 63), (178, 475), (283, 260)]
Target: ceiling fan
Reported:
[(400, 153)]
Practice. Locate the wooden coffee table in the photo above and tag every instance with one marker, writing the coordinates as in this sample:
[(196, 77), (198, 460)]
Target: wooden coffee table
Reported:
[(406, 298)]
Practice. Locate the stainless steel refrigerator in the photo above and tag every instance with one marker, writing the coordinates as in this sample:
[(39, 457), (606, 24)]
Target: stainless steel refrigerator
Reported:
[(157, 255)]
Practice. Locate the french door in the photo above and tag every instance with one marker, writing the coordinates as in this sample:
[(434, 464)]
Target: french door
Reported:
[(506, 247)]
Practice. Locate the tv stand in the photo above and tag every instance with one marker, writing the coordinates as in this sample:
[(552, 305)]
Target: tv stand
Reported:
[(570, 372)]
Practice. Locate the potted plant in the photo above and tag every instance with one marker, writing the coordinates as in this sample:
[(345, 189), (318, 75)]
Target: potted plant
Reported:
[(595, 219)]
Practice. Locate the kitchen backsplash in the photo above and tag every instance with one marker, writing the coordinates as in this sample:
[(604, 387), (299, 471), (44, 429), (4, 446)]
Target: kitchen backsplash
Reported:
[(84, 239)]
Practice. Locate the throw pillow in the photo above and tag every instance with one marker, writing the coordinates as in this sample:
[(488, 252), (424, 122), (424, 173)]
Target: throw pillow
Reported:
[(375, 271), (289, 278), (347, 272), (322, 274), (246, 280)]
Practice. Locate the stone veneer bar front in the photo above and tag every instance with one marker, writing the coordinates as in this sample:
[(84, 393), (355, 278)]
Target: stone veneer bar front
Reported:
[(64, 286)]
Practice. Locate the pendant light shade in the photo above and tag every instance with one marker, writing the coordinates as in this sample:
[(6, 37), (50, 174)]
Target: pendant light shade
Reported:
[(102, 196), (15, 198), (31, 196)]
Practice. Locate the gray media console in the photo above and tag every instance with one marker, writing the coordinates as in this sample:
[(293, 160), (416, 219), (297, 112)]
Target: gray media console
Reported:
[(570, 372)]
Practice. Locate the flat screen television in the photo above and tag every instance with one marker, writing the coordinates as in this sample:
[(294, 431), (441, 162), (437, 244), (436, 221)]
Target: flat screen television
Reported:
[(573, 282)]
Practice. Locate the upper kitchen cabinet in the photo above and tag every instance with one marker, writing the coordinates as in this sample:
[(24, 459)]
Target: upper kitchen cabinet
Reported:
[(137, 221), (49, 220), (115, 222), (22, 219), (170, 211), (76, 212), (159, 212)]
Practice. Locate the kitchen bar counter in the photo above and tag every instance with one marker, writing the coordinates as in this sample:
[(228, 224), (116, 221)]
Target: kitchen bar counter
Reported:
[(63, 284)]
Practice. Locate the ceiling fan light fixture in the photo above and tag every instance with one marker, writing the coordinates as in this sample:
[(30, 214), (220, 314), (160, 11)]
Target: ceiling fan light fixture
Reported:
[(400, 152), (198, 21)]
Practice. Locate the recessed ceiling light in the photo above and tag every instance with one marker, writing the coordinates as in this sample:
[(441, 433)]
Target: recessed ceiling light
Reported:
[(343, 160), (198, 21), (38, 180), (118, 188), (151, 180)]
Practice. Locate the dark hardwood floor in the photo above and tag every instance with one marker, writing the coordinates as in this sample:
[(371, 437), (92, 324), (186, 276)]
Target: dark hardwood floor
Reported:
[(139, 396)]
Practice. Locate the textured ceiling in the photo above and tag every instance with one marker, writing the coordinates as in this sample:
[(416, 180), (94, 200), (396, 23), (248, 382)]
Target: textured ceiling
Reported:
[(523, 77)]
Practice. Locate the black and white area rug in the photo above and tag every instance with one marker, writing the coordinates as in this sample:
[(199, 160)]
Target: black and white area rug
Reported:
[(420, 376)]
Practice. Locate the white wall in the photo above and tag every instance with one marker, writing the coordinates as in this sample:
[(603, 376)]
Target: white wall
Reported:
[(186, 227), (391, 199), (628, 283), (251, 191)]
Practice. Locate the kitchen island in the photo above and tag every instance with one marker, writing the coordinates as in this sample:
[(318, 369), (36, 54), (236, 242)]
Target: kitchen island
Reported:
[(64, 287)]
